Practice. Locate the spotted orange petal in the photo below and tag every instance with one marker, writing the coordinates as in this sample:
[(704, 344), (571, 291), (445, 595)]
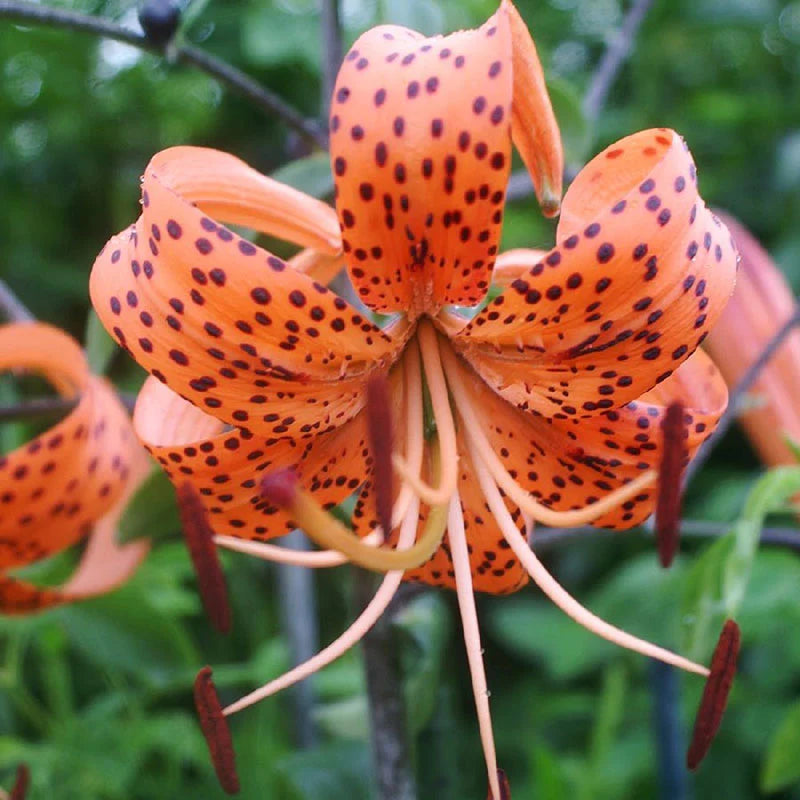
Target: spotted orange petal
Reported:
[(641, 272), (226, 324), (569, 464), (225, 466), (421, 148), (54, 489)]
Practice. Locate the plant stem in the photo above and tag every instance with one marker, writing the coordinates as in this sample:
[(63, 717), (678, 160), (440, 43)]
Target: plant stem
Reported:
[(389, 733)]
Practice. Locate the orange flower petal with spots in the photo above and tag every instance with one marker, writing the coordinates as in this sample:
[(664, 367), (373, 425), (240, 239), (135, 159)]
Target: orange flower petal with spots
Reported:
[(642, 271), (69, 481), (421, 135), (225, 466), (223, 322)]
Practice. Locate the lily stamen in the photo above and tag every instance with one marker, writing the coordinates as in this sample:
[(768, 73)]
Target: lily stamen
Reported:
[(668, 504), (472, 636), (317, 559), (445, 426), (548, 584), (379, 427), (357, 630), (527, 504), (215, 730), (282, 488)]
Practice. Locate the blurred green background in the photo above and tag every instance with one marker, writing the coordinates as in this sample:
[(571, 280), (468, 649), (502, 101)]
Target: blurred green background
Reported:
[(97, 698)]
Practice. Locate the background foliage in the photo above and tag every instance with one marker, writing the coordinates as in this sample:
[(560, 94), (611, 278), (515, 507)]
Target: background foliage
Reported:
[(96, 698)]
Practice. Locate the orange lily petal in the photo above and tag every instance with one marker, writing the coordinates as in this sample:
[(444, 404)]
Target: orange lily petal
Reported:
[(569, 464), (533, 124), (421, 149), (223, 322), (760, 306), (225, 466), (56, 487), (643, 269)]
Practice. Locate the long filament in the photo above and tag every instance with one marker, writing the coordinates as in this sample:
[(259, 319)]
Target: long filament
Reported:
[(545, 581), (445, 426), (472, 636), (526, 503), (368, 617)]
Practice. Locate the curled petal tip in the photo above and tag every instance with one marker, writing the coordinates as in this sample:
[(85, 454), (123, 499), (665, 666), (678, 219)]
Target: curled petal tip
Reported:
[(216, 731), (550, 201), (200, 542), (668, 504), (715, 694), (20, 789), (280, 487), (505, 786)]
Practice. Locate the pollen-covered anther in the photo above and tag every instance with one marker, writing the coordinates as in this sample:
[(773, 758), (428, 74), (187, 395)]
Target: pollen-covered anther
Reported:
[(379, 424), (715, 694), (216, 731), (19, 791), (668, 504), (200, 542), (505, 786)]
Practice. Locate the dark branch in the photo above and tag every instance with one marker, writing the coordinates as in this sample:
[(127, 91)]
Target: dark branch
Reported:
[(781, 537), (51, 407), (331, 49), (11, 306), (30, 14), (740, 390), (617, 53), (387, 709)]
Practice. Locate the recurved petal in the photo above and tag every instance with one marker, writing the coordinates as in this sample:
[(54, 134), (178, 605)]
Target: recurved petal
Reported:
[(225, 466), (570, 464), (104, 566), (53, 489), (223, 322), (642, 271), (420, 148), (533, 124)]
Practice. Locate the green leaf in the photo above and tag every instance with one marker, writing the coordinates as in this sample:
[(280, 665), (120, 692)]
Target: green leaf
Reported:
[(576, 132), (781, 765), (100, 347), (152, 512), (718, 580), (311, 175)]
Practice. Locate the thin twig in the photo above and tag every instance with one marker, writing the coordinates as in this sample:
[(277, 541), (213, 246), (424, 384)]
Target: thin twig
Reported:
[(388, 724), (30, 14), (778, 536), (52, 406), (670, 745), (331, 49), (607, 71), (299, 622), (617, 53), (13, 309), (740, 390)]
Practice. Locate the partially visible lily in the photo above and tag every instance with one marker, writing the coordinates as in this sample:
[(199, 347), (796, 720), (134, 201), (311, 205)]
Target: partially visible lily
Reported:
[(543, 404), (71, 482), (760, 306)]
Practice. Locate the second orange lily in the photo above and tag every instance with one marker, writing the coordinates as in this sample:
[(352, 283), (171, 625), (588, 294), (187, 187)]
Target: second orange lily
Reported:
[(545, 401)]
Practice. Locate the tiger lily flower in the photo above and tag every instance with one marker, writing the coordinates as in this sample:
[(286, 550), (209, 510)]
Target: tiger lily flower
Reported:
[(69, 483), (762, 303), (540, 404)]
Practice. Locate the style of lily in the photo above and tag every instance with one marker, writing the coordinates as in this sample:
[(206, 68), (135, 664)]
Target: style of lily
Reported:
[(69, 483), (761, 305), (524, 388)]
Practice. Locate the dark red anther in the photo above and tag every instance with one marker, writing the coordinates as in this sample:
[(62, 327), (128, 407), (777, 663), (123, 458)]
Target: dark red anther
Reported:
[(215, 729), (715, 694), (20, 788), (199, 539), (379, 425), (505, 786), (668, 504), (280, 487)]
